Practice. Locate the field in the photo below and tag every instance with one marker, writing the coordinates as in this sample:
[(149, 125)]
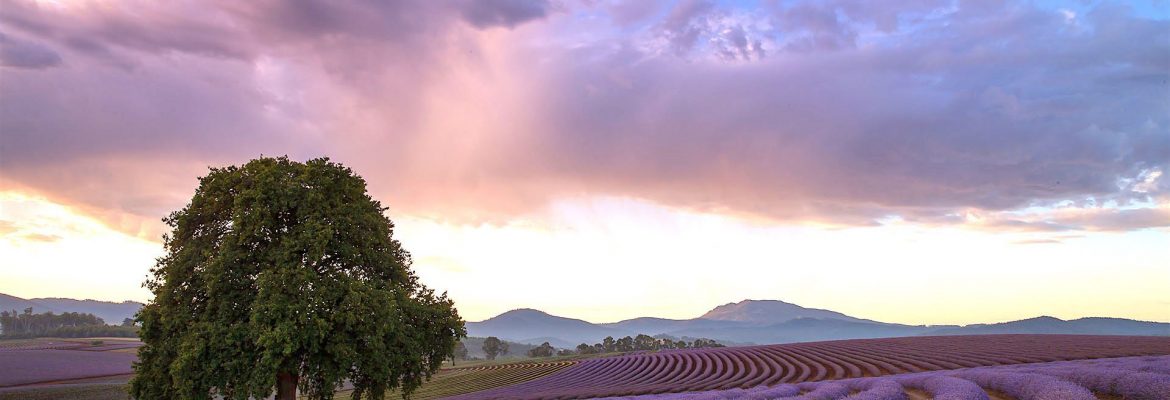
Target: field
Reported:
[(995, 367), (768, 366), (1146, 377), (89, 368), (37, 361)]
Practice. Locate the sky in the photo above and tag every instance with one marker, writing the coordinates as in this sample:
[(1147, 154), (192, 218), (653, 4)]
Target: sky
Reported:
[(912, 161)]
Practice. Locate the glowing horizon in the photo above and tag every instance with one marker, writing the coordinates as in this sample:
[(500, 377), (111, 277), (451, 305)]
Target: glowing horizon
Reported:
[(461, 259), (920, 162)]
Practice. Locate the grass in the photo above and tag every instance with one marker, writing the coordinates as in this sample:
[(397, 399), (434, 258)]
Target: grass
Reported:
[(455, 382), (477, 375), (95, 391)]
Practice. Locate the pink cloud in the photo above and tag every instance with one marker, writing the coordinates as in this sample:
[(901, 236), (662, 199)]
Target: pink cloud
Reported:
[(485, 110)]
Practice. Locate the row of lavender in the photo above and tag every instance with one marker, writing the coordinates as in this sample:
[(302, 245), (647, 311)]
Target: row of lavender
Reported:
[(1130, 378), (771, 365)]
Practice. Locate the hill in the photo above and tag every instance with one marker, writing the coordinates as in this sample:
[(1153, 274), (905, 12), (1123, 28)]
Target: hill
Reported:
[(767, 312), (532, 326), (111, 312), (771, 321), (1052, 325), (10, 303)]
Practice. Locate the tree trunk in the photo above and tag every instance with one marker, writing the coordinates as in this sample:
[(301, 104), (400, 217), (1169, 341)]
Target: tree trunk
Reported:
[(286, 386)]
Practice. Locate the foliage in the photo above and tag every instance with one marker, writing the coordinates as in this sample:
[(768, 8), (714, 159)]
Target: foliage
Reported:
[(460, 352), (544, 350), (491, 347), (278, 268), (642, 342), (585, 349), (26, 324)]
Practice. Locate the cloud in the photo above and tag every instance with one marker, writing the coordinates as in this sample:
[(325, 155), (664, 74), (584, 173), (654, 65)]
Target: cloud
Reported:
[(838, 113), (1038, 241), (629, 12), (506, 13), (21, 54), (40, 237), (1121, 220), (7, 227)]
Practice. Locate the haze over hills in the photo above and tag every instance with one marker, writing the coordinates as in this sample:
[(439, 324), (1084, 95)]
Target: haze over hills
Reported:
[(111, 312), (532, 326), (1052, 325), (771, 312), (745, 322), (772, 321)]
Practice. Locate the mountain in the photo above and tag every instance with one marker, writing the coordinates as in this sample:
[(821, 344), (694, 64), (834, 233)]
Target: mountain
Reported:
[(770, 321), (655, 326), (527, 324), (10, 303), (1052, 325), (807, 330), (745, 322), (771, 312), (111, 312)]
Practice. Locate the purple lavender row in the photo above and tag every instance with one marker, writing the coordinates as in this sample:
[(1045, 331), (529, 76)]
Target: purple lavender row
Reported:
[(1024, 385), (878, 389), (1131, 378), (944, 387)]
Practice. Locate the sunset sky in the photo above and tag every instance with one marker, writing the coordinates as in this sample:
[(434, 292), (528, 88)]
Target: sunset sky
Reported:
[(911, 161)]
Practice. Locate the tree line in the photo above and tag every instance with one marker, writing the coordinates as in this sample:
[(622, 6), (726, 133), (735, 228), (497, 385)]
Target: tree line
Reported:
[(26, 324), (494, 347), (643, 342)]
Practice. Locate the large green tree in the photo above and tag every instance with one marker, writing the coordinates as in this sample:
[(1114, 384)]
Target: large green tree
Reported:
[(280, 275)]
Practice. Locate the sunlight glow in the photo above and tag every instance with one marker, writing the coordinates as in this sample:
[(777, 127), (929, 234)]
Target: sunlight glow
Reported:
[(51, 250), (631, 259)]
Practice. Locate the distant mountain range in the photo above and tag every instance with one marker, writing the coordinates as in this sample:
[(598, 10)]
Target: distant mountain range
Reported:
[(772, 321), (745, 322), (111, 312)]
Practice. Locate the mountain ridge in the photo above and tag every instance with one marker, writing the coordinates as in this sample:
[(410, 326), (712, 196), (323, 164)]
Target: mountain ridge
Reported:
[(750, 322), (770, 312), (744, 322), (109, 311)]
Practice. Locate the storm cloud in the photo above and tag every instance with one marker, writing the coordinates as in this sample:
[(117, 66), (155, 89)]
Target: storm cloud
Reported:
[(841, 113)]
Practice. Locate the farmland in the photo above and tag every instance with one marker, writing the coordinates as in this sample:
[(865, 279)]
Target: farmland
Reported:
[(1145, 377), (92, 368), (1009, 367), (40, 361), (769, 366)]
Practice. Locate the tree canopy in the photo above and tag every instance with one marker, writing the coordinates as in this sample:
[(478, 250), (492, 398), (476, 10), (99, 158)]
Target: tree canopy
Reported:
[(491, 347), (544, 350), (280, 274)]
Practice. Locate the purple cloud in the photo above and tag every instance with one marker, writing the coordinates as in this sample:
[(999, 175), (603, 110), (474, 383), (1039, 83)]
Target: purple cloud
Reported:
[(506, 13), (22, 54), (839, 112)]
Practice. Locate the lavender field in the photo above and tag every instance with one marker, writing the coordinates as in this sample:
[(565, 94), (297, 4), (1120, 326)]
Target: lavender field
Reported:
[(1022, 367), (46, 361), (994, 367), (1131, 378)]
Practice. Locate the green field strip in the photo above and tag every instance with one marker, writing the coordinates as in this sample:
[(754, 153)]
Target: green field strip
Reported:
[(458, 381)]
